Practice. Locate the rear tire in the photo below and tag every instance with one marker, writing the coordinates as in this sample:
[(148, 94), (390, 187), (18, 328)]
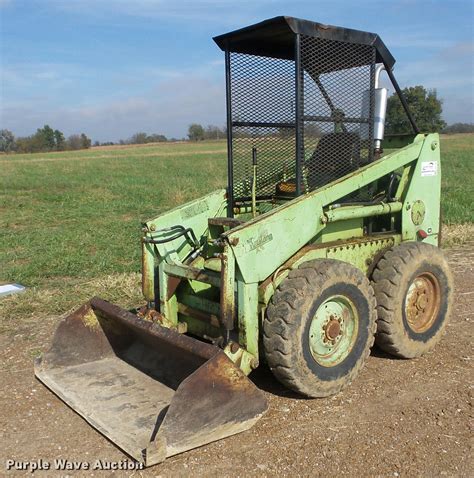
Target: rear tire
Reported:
[(413, 287), (319, 327)]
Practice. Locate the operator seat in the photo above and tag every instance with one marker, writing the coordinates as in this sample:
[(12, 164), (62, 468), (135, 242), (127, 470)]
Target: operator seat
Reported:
[(336, 155)]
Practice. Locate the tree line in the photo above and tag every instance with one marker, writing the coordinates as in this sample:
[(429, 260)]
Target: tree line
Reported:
[(424, 105), (459, 128), (46, 139), (198, 132)]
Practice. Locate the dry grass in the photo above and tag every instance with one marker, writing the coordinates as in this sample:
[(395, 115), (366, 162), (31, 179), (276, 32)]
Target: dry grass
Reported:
[(70, 157), (59, 297), (112, 147), (456, 234)]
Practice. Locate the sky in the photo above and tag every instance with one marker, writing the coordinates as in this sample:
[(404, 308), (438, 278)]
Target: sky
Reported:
[(110, 68)]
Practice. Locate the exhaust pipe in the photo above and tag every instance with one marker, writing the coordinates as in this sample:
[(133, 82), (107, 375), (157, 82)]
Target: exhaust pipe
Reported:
[(380, 110)]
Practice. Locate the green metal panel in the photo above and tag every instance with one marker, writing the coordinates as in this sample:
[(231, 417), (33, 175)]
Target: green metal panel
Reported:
[(247, 297), (227, 298), (201, 303), (335, 231), (359, 252), (424, 191), (193, 214), (168, 305), (148, 272)]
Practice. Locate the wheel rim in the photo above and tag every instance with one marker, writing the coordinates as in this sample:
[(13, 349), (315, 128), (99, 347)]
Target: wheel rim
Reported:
[(422, 302), (333, 331)]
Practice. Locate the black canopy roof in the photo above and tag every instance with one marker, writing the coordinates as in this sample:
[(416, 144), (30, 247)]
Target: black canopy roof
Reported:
[(275, 38)]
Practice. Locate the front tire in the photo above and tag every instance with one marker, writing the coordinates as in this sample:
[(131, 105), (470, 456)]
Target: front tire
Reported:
[(414, 288), (319, 327)]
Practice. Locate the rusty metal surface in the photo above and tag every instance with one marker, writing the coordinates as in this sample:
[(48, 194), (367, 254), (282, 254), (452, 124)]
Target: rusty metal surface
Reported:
[(422, 302), (152, 391), (117, 399), (331, 245), (173, 283), (227, 298), (151, 333), (198, 314), (217, 401), (224, 221), (192, 273)]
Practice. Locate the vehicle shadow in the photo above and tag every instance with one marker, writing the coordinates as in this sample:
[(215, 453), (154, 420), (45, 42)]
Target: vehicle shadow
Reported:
[(379, 353), (264, 379)]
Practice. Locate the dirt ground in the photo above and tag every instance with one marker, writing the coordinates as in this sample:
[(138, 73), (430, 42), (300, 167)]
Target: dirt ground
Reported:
[(399, 418)]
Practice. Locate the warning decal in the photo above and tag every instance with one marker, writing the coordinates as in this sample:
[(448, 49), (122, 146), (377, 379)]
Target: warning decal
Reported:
[(429, 168)]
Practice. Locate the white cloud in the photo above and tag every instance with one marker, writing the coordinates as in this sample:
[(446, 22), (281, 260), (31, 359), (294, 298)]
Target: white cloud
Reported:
[(168, 108), (173, 97), (450, 71), (23, 76)]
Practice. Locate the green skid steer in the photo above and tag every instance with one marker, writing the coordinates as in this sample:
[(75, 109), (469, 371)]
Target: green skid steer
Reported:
[(324, 240)]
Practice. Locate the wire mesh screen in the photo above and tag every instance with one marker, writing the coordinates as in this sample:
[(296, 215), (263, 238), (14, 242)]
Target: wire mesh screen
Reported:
[(338, 104), (263, 117), (334, 124)]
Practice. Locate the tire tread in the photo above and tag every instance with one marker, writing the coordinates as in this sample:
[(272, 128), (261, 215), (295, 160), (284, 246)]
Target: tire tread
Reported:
[(301, 283)]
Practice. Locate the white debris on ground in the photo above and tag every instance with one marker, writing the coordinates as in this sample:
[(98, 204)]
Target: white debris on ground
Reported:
[(8, 289)]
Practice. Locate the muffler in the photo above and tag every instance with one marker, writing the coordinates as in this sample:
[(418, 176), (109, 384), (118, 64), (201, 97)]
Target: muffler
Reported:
[(150, 390)]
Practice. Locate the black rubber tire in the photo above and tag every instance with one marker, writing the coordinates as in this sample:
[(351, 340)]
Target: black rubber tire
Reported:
[(289, 316), (391, 280)]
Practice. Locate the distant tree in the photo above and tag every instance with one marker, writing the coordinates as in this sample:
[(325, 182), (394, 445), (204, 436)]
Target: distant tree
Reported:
[(59, 140), (195, 132), (156, 138), (7, 141), (459, 128), (74, 142), (425, 107), (44, 139), (22, 144), (96, 143), (37, 143), (214, 132), (85, 141), (138, 138)]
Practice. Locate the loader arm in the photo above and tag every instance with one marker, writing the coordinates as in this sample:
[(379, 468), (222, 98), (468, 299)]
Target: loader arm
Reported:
[(295, 224)]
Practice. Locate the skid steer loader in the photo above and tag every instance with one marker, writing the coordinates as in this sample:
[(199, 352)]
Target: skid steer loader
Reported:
[(324, 240)]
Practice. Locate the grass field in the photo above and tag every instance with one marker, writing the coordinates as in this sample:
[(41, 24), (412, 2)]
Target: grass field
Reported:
[(78, 214), (73, 218)]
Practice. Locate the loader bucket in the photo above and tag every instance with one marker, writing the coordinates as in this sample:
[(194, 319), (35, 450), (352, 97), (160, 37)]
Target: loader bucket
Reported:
[(150, 390)]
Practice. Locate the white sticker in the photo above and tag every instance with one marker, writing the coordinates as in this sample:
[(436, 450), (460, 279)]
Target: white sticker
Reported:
[(429, 168)]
